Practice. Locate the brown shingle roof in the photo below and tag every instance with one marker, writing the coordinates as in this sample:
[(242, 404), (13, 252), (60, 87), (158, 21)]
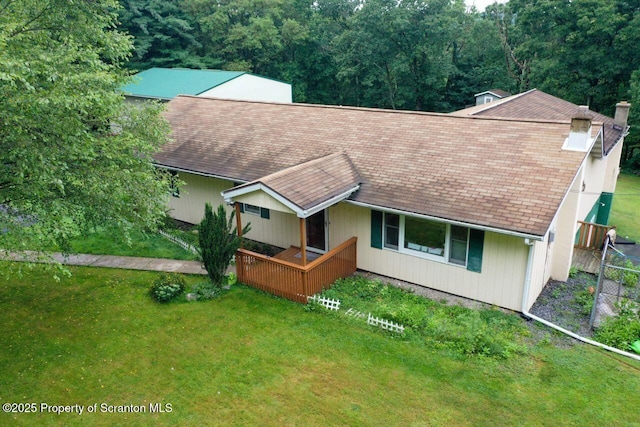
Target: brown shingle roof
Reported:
[(312, 183), (505, 174), (538, 105)]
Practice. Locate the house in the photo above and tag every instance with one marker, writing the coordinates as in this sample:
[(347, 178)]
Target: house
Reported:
[(476, 203), (164, 84), (490, 96)]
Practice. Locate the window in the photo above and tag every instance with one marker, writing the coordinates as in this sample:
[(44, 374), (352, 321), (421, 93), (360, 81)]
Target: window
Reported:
[(459, 245), (252, 209), (255, 210), (391, 231), (426, 238)]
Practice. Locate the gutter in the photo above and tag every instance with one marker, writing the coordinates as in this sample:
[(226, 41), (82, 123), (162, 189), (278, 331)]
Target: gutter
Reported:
[(526, 236), (529, 316)]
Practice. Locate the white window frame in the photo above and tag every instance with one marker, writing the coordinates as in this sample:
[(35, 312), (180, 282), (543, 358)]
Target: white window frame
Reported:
[(252, 209), (444, 258)]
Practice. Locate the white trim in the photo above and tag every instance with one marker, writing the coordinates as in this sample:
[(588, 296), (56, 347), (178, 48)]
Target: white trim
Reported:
[(325, 219), (228, 196), (448, 221)]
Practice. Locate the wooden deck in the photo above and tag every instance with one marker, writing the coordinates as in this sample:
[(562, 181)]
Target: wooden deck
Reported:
[(284, 276), (586, 260), (294, 255)]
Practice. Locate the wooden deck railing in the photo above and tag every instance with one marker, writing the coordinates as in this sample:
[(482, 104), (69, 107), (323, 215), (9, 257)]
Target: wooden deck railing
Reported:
[(591, 236), (293, 281)]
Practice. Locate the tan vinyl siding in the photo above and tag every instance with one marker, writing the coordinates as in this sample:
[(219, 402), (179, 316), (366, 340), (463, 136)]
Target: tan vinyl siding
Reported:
[(612, 169), (196, 191), (503, 268), (260, 198), (281, 229)]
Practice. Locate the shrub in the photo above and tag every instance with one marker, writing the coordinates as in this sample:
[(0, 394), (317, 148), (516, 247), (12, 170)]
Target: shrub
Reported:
[(584, 300), (622, 330), (167, 287), (487, 332), (218, 242), (206, 290)]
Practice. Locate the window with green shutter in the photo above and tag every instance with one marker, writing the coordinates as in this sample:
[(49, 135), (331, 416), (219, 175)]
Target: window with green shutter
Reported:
[(428, 239)]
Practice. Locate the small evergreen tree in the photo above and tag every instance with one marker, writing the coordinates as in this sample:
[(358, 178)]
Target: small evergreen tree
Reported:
[(219, 241)]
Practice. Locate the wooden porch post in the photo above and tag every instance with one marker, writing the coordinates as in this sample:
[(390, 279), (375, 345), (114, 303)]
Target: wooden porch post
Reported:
[(303, 240)]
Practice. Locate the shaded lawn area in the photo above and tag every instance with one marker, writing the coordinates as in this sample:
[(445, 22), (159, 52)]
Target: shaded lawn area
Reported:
[(150, 245), (250, 359), (625, 212)]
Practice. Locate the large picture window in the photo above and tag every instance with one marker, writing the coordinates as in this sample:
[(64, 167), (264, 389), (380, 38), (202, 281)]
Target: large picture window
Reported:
[(426, 238)]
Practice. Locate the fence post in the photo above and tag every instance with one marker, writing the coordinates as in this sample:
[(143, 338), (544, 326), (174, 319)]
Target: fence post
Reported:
[(596, 294)]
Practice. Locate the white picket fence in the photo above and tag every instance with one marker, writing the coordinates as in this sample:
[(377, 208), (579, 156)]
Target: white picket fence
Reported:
[(330, 304), (333, 304), (385, 324), (184, 245)]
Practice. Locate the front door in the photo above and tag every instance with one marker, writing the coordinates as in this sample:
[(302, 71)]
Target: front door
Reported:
[(317, 232)]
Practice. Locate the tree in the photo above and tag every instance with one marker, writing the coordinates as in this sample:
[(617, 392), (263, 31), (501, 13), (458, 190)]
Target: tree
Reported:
[(73, 156), (163, 36), (219, 241)]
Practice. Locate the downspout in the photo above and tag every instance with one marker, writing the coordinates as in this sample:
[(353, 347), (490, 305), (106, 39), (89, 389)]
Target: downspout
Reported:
[(529, 316)]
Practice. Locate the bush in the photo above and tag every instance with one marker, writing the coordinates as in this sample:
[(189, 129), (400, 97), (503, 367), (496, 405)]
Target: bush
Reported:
[(206, 290), (167, 287), (584, 301), (486, 332), (622, 330)]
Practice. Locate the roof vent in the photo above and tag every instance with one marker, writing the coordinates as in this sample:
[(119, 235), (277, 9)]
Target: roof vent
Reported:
[(580, 133)]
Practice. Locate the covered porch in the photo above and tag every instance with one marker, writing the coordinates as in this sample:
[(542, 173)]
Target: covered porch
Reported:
[(306, 191)]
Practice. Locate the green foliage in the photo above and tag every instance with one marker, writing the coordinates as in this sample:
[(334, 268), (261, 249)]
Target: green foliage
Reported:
[(163, 35), (486, 332), (219, 242), (584, 300), (167, 287), (628, 275), (573, 271), (74, 156), (100, 335), (622, 330), (206, 290)]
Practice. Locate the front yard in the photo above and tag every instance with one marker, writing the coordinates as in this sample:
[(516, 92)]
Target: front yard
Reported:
[(250, 359)]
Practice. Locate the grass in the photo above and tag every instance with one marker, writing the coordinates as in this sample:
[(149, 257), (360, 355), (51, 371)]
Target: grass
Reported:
[(250, 359), (626, 205), (151, 245)]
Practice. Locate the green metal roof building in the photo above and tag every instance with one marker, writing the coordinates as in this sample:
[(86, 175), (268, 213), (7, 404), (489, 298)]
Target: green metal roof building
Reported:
[(166, 83)]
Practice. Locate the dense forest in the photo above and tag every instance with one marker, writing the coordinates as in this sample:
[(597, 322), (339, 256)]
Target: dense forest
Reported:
[(430, 55)]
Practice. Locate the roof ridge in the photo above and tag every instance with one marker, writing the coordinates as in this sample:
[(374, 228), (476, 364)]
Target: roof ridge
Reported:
[(376, 110)]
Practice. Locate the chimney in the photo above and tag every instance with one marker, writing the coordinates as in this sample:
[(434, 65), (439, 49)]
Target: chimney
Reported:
[(580, 133), (622, 114)]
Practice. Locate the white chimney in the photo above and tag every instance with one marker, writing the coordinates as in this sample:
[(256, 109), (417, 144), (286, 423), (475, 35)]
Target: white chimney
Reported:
[(580, 133), (622, 114)]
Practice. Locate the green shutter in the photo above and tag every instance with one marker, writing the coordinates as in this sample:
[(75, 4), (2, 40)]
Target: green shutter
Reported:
[(476, 244), (376, 229), (264, 213)]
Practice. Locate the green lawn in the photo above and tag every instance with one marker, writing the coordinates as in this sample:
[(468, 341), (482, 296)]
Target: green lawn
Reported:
[(251, 359), (625, 212), (151, 245)]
